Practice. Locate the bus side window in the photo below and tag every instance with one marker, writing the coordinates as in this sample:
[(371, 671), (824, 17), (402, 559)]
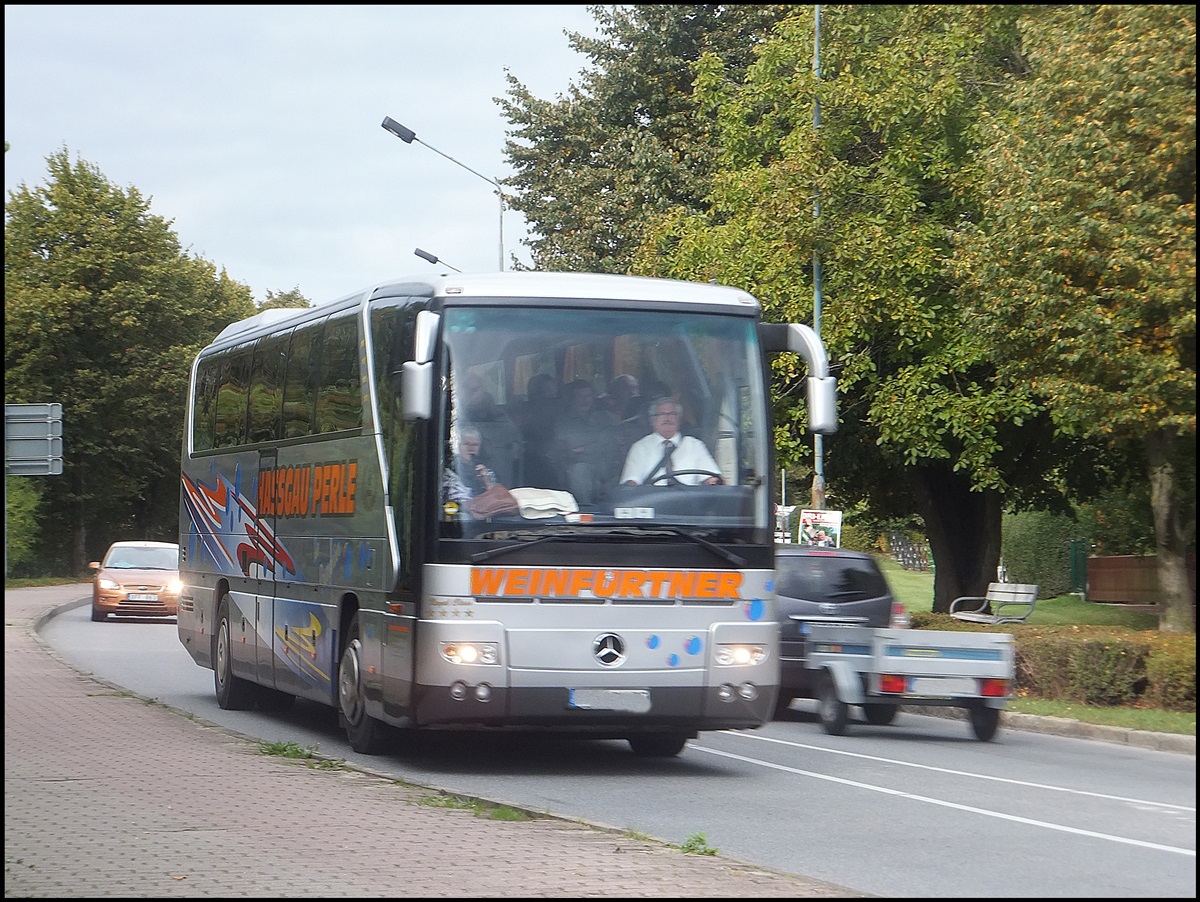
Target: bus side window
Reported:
[(300, 383), (266, 388), (230, 427), (339, 402), (204, 413)]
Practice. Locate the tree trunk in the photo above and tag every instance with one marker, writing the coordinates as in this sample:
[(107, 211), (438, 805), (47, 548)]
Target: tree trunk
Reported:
[(1172, 535), (963, 528)]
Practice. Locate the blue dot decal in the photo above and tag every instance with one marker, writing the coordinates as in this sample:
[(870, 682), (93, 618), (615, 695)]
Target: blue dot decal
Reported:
[(754, 609), (693, 645), (653, 642), (672, 660)]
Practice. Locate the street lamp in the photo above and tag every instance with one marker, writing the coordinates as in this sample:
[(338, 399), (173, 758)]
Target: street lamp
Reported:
[(407, 135), (425, 255)]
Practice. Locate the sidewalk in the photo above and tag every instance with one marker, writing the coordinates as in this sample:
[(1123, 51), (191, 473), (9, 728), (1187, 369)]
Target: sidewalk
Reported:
[(108, 795)]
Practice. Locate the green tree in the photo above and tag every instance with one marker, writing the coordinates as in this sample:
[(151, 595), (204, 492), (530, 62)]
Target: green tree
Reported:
[(287, 299), (626, 143), (1084, 259), (22, 495), (104, 313), (929, 424)]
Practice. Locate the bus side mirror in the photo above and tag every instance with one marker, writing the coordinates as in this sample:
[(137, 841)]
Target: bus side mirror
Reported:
[(416, 390), (822, 405)]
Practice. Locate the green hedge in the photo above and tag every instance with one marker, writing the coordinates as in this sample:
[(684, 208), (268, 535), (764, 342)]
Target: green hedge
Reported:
[(1092, 665)]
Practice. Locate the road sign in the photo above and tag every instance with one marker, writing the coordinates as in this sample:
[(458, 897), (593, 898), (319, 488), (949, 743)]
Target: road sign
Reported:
[(33, 444)]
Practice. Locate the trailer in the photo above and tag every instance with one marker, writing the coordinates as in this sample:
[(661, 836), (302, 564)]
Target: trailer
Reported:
[(881, 669)]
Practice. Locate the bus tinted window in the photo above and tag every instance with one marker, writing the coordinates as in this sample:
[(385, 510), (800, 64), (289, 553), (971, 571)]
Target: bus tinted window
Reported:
[(300, 385), (204, 413), (266, 388), (231, 401), (339, 402)]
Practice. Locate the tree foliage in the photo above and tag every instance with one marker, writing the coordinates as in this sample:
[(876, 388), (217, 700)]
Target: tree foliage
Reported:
[(591, 167), (104, 313), (1084, 257), (873, 193)]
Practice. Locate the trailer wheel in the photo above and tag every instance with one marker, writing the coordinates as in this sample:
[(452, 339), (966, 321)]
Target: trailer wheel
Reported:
[(984, 720), (834, 712), (880, 715)]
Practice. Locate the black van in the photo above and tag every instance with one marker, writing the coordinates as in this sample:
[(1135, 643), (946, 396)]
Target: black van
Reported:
[(825, 585)]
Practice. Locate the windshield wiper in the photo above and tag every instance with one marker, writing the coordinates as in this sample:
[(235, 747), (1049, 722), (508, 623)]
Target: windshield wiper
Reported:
[(622, 533)]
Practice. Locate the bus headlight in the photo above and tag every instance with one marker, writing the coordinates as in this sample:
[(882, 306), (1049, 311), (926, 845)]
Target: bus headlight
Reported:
[(732, 655), (471, 652)]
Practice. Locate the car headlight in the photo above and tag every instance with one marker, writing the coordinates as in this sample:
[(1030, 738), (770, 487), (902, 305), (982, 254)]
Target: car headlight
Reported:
[(732, 655), (105, 583), (175, 587), (471, 652)]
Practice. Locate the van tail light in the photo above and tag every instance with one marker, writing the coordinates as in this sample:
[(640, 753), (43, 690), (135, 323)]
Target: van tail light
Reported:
[(900, 619), (891, 682), (993, 688)]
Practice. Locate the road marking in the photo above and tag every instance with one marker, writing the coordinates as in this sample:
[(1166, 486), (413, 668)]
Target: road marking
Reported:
[(962, 773), (918, 798)]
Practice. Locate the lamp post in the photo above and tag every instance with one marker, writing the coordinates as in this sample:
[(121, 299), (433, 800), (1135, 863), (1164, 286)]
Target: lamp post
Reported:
[(425, 255), (408, 136)]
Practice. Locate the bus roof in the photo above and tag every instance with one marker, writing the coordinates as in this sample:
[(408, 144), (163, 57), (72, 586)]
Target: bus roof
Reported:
[(564, 285)]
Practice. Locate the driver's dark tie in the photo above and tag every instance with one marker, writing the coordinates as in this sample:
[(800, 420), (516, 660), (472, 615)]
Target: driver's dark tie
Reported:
[(668, 447)]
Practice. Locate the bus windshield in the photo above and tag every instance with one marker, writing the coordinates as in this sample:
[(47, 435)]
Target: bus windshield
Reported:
[(601, 418)]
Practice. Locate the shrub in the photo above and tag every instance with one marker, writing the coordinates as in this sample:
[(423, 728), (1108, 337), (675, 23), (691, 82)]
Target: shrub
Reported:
[(1171, 673), (1106, 671)]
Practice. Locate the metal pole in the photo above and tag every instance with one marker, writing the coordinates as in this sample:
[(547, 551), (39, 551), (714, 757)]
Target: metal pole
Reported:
[(818, 486), (408, 136)]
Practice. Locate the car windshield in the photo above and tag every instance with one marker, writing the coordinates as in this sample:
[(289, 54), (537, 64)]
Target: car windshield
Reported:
[(823, 578), (134, 558)]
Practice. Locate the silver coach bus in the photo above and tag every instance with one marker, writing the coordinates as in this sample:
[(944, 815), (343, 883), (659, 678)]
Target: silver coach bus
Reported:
[(334, 547)]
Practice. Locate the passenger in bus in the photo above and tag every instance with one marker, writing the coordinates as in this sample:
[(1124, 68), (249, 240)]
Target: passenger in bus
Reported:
[(539, 413), (501, 439), (467, 475), (657, 457), (583, 438)]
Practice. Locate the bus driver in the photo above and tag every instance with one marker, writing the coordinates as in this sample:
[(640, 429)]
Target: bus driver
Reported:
[(657, 457)]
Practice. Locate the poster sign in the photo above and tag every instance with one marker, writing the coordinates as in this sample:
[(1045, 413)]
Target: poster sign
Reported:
[(821, 528), (783, 528)]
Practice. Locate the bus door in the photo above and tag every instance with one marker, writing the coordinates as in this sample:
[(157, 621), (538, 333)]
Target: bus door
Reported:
[(262, 576)]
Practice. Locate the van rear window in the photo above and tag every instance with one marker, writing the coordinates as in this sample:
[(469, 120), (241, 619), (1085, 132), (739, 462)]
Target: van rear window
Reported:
[(823, 578)]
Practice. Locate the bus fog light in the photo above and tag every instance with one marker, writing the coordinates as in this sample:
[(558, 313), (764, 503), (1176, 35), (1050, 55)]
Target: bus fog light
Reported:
[(745, 653), (458, 691), (726, 692), (483, 693), (748, 691)]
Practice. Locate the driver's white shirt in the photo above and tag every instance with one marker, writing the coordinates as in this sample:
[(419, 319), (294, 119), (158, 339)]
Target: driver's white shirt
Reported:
[(689, 454)]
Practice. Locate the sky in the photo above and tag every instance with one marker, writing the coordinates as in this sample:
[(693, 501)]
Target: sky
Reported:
[(257, 130)]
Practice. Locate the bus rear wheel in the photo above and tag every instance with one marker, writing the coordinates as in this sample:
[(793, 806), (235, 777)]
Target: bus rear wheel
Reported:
[(233, 692), (367, 735)]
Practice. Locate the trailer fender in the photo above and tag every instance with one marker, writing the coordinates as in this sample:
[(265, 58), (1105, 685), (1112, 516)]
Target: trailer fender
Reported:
[(846, 679)]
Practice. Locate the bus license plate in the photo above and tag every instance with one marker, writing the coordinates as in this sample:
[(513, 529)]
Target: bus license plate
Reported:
[(142, 596), (636, 701)]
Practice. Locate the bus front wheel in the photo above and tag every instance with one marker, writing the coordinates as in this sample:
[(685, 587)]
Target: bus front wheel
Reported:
[(367, 735), (233, 692)]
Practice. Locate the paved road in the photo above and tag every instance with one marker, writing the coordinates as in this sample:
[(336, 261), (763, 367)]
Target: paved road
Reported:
[(108, 795)]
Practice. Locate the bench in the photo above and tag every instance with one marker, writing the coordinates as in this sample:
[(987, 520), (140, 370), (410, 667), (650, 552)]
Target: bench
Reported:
[(1018, 598)]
